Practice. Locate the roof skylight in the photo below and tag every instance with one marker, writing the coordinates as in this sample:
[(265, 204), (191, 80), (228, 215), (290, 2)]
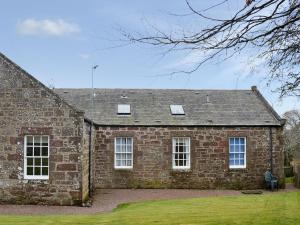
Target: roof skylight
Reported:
[(177, 110), (124, 109)]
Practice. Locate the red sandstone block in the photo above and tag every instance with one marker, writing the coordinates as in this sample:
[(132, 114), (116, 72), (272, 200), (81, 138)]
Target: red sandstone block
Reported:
[(74, 140), (13, 140), (13, 157), (57, 175), (75, 194), (56, 158), (66, 167), (56, 143), (73, 157)]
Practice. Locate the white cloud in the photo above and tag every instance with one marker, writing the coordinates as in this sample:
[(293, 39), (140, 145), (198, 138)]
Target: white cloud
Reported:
[(84, 55), (189, 61), (57, 27)]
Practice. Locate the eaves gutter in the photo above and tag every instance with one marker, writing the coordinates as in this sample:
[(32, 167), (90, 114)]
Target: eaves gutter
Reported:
[(174, 125)]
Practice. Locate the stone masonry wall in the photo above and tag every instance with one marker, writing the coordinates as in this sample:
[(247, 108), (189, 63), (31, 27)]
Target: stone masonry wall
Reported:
[(152, 158), (85, 162), (29, 108)]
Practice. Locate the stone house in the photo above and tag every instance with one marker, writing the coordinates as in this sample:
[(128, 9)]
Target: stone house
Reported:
[(57, 145)]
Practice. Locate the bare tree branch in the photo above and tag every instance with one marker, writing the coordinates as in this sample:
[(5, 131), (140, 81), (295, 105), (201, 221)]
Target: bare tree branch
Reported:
[(270, 26)]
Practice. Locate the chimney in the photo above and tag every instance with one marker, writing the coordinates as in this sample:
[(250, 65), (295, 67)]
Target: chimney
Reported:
[(254, 88)]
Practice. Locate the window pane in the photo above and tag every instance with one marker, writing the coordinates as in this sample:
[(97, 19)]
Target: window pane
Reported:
[(29, 171), (186, 141), (45, 161), (181, 163), (236, 162), (123, 163), (231, 141), (242, 148), (118, 141), (29, 140), (29, 151), (37, 151), (129, 141), (236, 141), (123, 109), (242, 155), (242, 140), (242, 162), (37, 140), (181, 149), (123, 148), (231, 148), (118, 163), (181, 141), (45, 141), (236, 148), (129, 148), (181, 156), (37, 170), (118, 148), (128, 156), (119, 156), (37, 161), (29, 161), (44, 151), (128, 162), (186, 149), (231, 156), (231, 162), (187, 160), (45, 171)]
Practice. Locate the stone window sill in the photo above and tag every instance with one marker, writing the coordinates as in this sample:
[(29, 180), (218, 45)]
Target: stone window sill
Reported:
[(128, 169), (181, 170), (237, 169)]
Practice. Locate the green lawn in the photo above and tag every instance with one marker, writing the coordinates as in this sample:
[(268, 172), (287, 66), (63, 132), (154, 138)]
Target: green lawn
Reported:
[(283, 208)]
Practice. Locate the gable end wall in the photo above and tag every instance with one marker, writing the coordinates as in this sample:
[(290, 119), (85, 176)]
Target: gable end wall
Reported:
[(29, 108)]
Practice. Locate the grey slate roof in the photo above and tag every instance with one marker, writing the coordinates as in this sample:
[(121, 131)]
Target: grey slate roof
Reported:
[(152, 107)]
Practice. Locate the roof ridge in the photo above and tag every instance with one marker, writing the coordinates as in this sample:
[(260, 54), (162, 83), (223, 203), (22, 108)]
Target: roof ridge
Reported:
[(154, 89)]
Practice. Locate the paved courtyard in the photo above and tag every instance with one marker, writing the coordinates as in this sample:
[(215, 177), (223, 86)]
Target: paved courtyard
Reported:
[(107, 199)]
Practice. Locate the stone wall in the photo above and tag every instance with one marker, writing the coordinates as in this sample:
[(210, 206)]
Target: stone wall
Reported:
[(152, 159), (29, 108), (87, 165)]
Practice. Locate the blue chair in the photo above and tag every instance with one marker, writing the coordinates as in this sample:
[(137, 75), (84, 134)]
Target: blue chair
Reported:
[(271, 181)]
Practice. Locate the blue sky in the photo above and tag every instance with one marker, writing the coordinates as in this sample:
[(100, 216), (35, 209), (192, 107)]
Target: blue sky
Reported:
[(59, 41)]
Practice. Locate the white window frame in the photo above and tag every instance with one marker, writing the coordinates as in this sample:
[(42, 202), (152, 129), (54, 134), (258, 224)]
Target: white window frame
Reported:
[(35, 177), (115, 153), (245, 154), (188, 164)]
